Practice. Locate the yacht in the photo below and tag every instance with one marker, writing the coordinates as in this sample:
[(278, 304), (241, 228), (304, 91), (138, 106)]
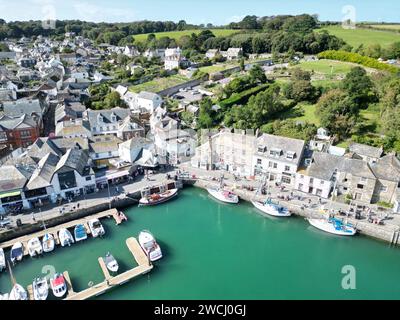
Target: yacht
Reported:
[(40, 289), (333, 226), (58, 285), (65, 237), (2, 260), (149, 245), (96, 228), (272, 209), (17, 252), (111, 263), (80, 233), (223, 195), (157, 198), (18, 293), (48, 242), (35, 247)]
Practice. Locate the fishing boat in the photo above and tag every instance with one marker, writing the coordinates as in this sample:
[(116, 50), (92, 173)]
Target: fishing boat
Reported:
[(111, 263), (18, 293), (333, 226), (149, 245), (48, 242), (17, 252), (272, 209), (40, 289), (80, 233), (223, 195), (2, 260), (96, 228), (58, 285), (34, 247), (65, 237), (157, 198)]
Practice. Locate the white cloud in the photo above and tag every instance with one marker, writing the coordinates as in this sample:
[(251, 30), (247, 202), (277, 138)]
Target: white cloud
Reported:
[(90, 12)]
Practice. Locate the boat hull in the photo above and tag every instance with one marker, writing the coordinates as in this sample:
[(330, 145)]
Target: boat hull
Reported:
[(80, 234), (18, 293), (2, 260), (269, 210), (150, 246), (219, 196), (323, 225), (48, 243), (40, 289), (145, 203), (65, 237)]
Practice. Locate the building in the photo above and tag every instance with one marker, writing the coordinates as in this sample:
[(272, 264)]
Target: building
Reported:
[(131, 150), (322, 141), (73, 129), (232, 53), (211, 53), (173, 58), (366, 153), (145, 102), (67, 111), (103, 148)]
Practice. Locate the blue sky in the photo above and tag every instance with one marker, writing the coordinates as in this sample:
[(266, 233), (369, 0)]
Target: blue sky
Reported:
[(194, 11)]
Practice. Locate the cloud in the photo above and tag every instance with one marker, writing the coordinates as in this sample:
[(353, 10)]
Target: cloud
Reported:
[(96, 13)]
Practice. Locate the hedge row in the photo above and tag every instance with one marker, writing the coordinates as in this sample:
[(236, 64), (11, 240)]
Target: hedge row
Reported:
[(242, 97), (357, 58)]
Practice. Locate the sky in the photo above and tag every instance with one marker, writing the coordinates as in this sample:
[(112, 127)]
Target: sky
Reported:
[(218, 12)]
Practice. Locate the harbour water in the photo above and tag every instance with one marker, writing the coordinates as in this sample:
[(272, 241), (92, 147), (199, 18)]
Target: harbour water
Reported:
[(218, 251)]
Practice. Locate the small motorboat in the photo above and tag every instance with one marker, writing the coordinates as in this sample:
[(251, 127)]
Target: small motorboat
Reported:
[(120, 217), (272, 209), (18, 293), (333, 226), (149, 245), (65, 237), (111, 263), (17, 252), (157, 198), (35, 247), (48, 242), (40, 289), (2, 260), (96, 228), (58, 285), (80, 233), (224, 195)]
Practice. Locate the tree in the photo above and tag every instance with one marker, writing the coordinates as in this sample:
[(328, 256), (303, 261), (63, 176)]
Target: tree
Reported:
[(300, 88), (257, 74), (206, 114), (242, 67), (113, 100), (359, 86)]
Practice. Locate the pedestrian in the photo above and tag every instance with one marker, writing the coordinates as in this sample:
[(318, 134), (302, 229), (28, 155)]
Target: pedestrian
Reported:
[(77, 205), (320, 201), (33, 217)]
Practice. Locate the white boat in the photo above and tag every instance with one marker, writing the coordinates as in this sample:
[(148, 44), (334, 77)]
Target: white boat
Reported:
[(224, 195), (158, 198), (58, 285), (272, 209), (66, 238), (333, 226), (96, 228), (2, 260), (17, 252), (18, 293), (111, 263), (40, 289), (80, 233), (5, 296), (150, 245), (48, 242), (35, 247)]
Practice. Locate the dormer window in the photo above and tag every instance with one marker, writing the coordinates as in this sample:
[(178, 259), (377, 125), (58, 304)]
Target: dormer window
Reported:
[(275, 152), (100, 118), (290, 155), (113, 118), (262, 149)]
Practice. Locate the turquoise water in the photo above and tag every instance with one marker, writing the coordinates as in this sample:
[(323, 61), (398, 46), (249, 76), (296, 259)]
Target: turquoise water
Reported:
[(218, 251)]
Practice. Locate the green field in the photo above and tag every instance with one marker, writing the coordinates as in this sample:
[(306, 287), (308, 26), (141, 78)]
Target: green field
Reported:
[(394, 27), (363, 36), (304, 112), (327, 67), (178, 34), (159, 84), (216, 68)]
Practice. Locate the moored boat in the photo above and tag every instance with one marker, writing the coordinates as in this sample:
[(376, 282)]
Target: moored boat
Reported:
[(2, 260), (272, 209), (157, 198), (224, 195), (40, 289), (18, 293), (80, 233), (65, 237), (111, 263), (48, 242), (333, 226), (34, 247), (5, 296), (17, 252), (150, 245), (96, 228), (58, 285)]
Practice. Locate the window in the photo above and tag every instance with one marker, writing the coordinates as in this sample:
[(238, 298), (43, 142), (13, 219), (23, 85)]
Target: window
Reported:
[(384, 188), (311, 180), (88, 178), (286, 180), (360, 186), (322, 182), (318, 192), (25, 134), (290, 155), (109, 153), (3, 136), (287, 168), (67, 180), (301, 186), (261, 149), (259, 161)]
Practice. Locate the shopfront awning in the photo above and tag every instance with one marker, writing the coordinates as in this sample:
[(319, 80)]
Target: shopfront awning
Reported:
[(10, 194), (112, 175)]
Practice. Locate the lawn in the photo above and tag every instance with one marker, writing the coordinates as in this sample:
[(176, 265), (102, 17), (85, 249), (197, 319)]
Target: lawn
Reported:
[(363, 36), (303, 112), (327, 67), (394, 27), (159, 84), (217, 67), (178, 34)]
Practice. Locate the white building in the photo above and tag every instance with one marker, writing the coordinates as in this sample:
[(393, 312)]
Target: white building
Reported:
[(173, 58)]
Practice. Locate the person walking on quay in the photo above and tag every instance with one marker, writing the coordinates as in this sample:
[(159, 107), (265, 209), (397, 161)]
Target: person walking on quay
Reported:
[(33, 217)]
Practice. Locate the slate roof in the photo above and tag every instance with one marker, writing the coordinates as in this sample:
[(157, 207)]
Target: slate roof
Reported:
[(14, 177), (41, 147), (21, 107), (387, 168), (104, 144), (75, 159), (11, 123), (41, 177), (120, 113), (364, 150)]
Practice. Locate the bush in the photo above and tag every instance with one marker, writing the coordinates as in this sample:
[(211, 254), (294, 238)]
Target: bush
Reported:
[(385, 204), (242, 97)]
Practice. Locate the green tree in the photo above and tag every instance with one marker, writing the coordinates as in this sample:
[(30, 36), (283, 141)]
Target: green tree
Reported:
[(359, 86), (113, 100), (257, 74), (206, 114)]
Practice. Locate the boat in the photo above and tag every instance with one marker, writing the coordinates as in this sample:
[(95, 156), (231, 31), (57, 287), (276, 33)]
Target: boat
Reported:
[(17, 252), (40, 289), (35, 247), (5, 296), (18, 293), (80, 233), (58, 285), (120, 217), (224, 195), (2, 260), (65, 237), (149, 245), (272, 209), (111, 263), (157, 198), (48, 242), (333, 226), (96, 228)]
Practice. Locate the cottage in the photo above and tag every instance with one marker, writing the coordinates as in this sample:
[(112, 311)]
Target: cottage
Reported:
[(173, 58), (366, 153), (73, 129)]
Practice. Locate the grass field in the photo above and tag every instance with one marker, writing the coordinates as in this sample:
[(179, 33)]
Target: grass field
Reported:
[(304, 112), (363, 36), (394, 27), (159, 84), (178, 34), (216, 68), (327, 67)]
